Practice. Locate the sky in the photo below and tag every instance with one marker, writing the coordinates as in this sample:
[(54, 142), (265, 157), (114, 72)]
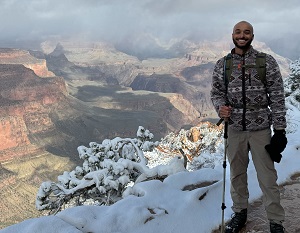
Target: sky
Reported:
[(155, 206), (115, 20)]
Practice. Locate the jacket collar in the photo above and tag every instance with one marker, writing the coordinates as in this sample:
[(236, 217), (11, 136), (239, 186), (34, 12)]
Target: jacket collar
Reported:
[(248, 53)]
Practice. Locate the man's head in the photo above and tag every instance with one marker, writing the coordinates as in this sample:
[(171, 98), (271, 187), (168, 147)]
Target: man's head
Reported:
[(242, 35)]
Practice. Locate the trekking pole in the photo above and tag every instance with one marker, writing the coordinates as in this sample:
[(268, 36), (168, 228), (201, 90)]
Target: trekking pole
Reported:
[(223, 207)]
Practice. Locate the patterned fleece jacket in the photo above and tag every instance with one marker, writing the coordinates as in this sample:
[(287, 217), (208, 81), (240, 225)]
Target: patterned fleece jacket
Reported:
[(255, 105)]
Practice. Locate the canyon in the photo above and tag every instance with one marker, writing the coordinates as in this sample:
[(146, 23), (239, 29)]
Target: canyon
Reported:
[(70, 93)]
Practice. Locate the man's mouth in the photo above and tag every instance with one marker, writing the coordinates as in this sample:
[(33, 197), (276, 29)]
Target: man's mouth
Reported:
[(242, 43)]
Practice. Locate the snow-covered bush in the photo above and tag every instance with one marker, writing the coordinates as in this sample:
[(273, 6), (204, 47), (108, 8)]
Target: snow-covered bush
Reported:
[(292, 84), (210, 139), (106, 171), (292, 90)]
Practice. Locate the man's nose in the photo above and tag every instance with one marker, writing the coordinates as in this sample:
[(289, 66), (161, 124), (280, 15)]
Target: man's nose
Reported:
[(242, 35)]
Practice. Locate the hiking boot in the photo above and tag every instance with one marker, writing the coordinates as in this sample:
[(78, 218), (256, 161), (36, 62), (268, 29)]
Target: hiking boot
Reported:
[(276, 228), (237, 222)]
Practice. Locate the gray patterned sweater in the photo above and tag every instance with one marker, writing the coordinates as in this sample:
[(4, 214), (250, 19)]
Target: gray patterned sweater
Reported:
[(255, 106)]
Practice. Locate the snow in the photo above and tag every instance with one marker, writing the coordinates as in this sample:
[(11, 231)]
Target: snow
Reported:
[(178, 204)]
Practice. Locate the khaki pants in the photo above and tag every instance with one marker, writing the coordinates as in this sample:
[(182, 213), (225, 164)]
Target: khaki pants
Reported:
[(239, 145)]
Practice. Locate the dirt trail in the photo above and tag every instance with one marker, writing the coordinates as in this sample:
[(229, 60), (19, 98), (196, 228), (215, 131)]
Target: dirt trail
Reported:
[(290, 199)]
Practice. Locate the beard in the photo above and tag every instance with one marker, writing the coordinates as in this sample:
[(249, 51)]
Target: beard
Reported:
[(244, 47)]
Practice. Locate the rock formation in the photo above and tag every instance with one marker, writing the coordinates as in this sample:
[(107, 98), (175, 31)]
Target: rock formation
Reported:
[(17, 56), (25, 103)]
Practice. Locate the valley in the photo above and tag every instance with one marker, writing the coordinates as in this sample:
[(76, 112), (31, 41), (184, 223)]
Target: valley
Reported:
[(20, 183), (70, 93)]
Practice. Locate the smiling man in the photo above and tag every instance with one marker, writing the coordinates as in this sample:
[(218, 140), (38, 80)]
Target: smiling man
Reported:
[(247, 91), (242, 36)]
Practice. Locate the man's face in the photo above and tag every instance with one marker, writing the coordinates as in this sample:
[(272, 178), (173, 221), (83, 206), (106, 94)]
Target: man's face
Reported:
[(242, 35)]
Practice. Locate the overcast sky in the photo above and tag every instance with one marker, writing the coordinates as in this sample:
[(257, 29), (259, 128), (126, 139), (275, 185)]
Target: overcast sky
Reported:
[(116, 19)]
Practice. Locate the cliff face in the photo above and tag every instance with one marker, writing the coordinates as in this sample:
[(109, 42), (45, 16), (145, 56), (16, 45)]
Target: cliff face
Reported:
[(193, 86), (16, 56), (25, 103)]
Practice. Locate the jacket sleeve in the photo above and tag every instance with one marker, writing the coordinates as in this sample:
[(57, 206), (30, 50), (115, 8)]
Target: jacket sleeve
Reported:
[(218, 88), (275, 91)]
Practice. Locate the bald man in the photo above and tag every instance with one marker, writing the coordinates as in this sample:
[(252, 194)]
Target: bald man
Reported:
[(251, 107)]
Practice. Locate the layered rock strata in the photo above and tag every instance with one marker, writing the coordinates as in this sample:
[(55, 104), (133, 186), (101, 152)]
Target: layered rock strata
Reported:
[(25, 103)]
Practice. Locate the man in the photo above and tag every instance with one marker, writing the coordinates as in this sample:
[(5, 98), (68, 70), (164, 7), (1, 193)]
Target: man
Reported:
[(251, 107)]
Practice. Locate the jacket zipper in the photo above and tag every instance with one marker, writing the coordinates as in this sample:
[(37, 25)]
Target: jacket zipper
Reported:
[(250, 77), (244, 93)]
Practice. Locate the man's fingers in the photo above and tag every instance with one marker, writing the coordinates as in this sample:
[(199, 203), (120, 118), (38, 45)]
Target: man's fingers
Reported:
[(225, 111)]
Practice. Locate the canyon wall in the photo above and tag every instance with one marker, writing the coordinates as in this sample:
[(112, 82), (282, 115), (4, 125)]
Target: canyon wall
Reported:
[(25, 103), (17, 56)]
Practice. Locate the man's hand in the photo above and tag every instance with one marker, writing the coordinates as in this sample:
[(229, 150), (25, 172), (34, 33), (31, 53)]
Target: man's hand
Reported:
[(277, 145), (225, 111)]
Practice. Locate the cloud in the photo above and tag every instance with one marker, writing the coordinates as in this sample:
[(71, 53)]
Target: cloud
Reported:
[(117, 19)]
